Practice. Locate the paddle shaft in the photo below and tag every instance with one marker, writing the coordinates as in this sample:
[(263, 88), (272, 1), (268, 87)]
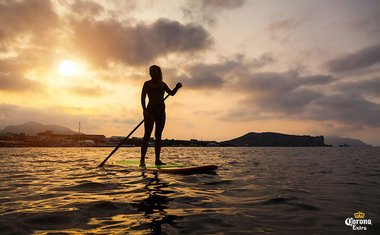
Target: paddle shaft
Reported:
[(119, 145)]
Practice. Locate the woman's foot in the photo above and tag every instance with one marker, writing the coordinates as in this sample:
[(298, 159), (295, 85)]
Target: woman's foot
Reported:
[(142, 164), (160, 163)]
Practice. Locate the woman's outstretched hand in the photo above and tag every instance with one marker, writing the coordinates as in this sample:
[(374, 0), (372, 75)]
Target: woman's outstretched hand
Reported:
[(174, 91)]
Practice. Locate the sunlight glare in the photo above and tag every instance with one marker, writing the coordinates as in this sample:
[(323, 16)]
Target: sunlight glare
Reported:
[(67, 68)]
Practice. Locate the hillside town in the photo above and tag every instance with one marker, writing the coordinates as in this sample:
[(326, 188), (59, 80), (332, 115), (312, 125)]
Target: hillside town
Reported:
[(51, 139), (33, 134)]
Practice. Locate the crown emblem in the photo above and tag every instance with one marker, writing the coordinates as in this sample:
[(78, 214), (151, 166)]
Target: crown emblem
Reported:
[(359, 215)]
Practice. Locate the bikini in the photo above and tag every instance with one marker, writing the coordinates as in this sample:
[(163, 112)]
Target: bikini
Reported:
[(157, 112)]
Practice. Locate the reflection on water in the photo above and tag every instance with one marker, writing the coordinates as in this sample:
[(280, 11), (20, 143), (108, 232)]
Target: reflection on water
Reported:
[(255, 190), (155, 204)]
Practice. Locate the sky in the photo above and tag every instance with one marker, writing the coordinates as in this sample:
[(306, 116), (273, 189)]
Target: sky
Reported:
[(295, 67)]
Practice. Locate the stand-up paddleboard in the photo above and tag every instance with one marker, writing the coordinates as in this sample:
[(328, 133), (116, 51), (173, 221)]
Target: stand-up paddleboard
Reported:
[(175, 169)]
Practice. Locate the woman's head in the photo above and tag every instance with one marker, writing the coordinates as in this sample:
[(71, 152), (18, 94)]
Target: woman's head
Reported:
[(155, 73)]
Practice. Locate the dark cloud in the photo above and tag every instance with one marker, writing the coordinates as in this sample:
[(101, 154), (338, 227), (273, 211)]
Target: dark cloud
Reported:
[(285, 93), (228, 4), (367, 22), (86, 30), (110, 40), (315, 80), (33, 30), (304, 104), (317, 97), (357, 60), (34, 18), (277, 83), (263, 60), (201, 80), (351, 110), (17, 83), (242, 113), (205, 11), (368, 87), (208, 75), (288, 103), (83, 8), (214, 76), (282, 24)]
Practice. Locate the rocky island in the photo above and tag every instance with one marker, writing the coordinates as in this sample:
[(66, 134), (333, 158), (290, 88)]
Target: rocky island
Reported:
[(275, 140), (35, 134)]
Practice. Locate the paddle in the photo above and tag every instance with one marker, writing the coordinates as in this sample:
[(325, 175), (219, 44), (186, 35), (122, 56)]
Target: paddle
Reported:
[(179, 85)]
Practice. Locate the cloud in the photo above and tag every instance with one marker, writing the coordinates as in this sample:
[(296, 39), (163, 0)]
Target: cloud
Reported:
[(242, 114), (111, 40), (28, 30), (12, 65), (215, 76), (227, 4), (277, 83), (315, 80), (291, 95), (263, 60), (351, 110), (127, 121), (368, 87), (281, 93), (84, 8), (366, 23), (90, 30), (67, 116), (273, 95), (282, 24), (288, 103), (357, 60), (17, 83), (205, 11), (303, 104), (88, 91), (207, 75), (34, 18), (16, 114), (201, 80), (36, 57)]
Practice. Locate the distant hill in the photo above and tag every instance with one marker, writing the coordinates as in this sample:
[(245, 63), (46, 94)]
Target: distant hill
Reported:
[(275, 139), (336, 141), (33, 128)]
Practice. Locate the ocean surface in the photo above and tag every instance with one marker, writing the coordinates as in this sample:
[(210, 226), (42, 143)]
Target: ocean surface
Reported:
[(254, 191)]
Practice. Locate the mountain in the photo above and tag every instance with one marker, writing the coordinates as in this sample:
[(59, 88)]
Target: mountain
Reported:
[(275, 139), (33, 128), (336, 141)]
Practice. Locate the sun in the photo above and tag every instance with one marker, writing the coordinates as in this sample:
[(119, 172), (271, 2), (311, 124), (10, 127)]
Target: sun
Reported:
[(67, 68)]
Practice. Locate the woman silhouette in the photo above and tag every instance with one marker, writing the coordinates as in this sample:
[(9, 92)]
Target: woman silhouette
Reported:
[(154, 113)]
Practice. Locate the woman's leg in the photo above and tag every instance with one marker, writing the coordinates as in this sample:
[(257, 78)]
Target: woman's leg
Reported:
[(148, 126), (160, 124)]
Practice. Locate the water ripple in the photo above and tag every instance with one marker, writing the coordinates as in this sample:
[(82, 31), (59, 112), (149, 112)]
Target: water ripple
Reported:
[(255, 190)]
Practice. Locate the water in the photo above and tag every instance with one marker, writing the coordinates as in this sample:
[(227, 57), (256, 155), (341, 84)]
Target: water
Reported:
[(256, 190)]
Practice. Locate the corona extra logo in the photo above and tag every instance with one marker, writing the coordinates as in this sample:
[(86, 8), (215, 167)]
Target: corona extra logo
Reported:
[(358, 222), (359, 215)]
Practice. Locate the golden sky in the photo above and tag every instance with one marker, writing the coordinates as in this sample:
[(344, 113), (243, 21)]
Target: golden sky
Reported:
[(295, 67)]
